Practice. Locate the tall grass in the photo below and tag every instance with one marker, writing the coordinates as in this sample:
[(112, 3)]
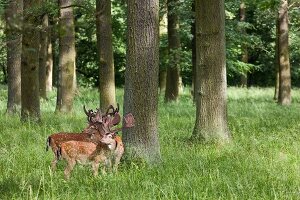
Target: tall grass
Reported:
[(261, 162)]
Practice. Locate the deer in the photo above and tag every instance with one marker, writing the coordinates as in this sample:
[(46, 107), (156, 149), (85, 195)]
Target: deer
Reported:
[(55, 140), (98, 125), (88, 153), (103, 150)]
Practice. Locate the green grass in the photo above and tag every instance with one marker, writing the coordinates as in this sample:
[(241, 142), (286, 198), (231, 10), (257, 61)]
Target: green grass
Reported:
[(261, 162)]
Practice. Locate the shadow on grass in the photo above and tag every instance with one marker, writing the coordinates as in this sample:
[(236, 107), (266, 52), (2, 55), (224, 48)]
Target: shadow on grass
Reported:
[(9, 187)]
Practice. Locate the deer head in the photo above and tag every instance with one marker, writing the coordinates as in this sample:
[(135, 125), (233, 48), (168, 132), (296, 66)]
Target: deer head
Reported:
[(105, 123)]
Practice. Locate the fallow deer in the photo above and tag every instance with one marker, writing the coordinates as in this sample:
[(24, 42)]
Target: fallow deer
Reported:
[(94, 119), (89, 153), (98, 126)]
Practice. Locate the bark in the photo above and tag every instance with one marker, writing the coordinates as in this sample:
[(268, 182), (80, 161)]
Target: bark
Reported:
[(13, 15), (141, 79), (43, 56), (211, 103), (66, 75), (30, 101), (284, 97), (105, 50), (173, 73)]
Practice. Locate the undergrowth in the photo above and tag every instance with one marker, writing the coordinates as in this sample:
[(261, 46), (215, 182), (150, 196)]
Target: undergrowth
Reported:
[(261, 162)]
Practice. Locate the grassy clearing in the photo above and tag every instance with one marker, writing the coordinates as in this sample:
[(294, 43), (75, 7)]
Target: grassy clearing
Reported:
[(262, 162)]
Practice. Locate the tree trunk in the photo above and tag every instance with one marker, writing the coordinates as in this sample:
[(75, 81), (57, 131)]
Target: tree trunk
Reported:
[(141, 79), (193, 32), (244, 77), (284, 97), (30, 106), (276, 63), (211, 103), (13, 15), (173, 73), (55, 53), (49, 63), (162, 81), (43, 56), (67, 54), (105, 50)]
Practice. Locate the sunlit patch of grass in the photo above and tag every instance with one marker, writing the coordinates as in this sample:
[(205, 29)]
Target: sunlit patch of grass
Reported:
[(261, 162)]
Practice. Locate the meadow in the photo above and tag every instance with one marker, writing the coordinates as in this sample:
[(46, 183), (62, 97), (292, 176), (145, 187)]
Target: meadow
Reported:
[(261, 162)]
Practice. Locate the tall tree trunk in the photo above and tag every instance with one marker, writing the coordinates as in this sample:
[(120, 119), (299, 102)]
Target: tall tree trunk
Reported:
[(30, 106), (43, 56), (141, 79), (55, 53), (173, 73), (284, 97), (13, 17), (105, 50), (162, 81), (244, 77), (163, 30), (211, 103), (49, 63), (194, 67), (67, 54), (276, 63)]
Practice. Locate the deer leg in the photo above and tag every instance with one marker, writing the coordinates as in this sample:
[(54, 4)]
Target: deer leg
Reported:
[(118, 156), (53, 164), (95, 167), (107, 164), (69, 168)]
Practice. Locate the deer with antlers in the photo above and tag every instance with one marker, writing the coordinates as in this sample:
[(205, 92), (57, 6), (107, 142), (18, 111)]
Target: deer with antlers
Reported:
[(99, 126)]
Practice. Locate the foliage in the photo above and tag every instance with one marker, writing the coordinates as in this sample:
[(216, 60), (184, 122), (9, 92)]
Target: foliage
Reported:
[(257, 34), (262, 162)]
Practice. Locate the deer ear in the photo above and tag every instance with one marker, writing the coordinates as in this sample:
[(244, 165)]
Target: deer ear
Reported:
[(128, 121)]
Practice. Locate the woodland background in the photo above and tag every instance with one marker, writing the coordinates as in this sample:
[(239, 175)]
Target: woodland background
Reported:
[(67, 49), (259, 38)]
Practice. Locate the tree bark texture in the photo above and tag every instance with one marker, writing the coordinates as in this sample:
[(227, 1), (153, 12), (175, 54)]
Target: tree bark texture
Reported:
[(67, 54), (105, 50), (13, 18), (211, 103), (141, 79), (173, 70), (30, 98), (43, 56), (284, 97)]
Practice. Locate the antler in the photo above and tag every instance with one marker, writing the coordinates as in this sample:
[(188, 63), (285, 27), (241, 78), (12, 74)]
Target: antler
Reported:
[(98, 117), (90, 114), (114, 110)]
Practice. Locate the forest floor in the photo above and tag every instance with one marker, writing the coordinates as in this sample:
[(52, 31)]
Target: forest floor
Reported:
[(261, 162)]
